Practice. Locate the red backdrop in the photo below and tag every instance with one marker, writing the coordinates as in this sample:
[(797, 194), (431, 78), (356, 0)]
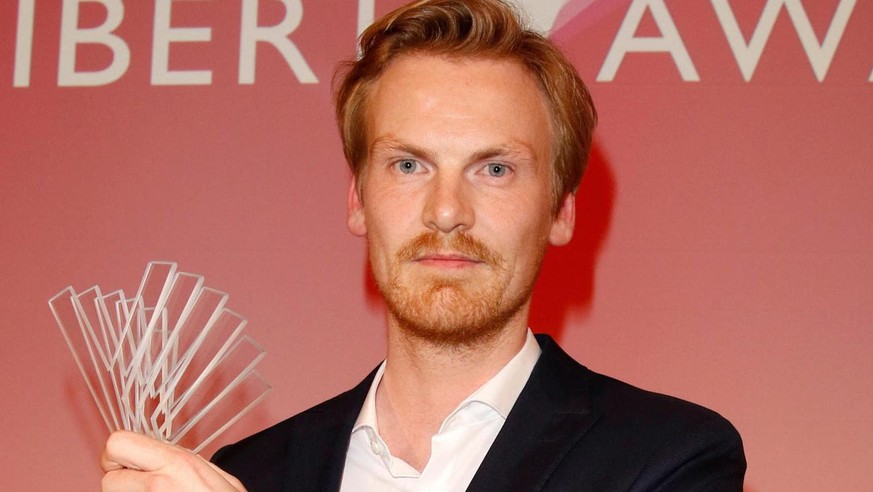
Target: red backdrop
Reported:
[(723, 252)]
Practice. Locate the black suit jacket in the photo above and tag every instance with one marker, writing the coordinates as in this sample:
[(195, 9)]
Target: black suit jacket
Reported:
[(570, 430)]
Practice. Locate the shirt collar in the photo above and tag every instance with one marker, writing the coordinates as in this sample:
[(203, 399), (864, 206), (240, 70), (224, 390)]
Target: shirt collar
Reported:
[(499, 393), (367, 417)]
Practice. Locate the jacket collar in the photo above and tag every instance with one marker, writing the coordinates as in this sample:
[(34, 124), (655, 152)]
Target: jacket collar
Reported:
[(552, 413), (550, 416)]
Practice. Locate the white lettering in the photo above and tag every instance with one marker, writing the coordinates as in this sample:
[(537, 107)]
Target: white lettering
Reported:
[(163, 36), (748, 55), (670, 41), (23, 43), (542, 14), (276, 35), (72, 35), (366, 14)]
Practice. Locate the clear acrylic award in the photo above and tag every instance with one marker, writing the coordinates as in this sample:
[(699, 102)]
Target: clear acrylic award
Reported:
[(171, 362)]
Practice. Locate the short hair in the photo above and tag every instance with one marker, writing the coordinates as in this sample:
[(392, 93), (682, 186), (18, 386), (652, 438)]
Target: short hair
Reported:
[(475, 29)]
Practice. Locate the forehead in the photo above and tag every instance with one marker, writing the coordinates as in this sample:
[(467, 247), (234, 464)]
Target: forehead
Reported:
[(485, 97)]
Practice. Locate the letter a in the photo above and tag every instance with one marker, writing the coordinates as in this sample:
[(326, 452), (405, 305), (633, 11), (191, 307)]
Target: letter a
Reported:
[(670, 41)]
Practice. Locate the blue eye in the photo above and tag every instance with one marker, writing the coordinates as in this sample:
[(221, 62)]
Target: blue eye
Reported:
[(407, 166), (496, 170)]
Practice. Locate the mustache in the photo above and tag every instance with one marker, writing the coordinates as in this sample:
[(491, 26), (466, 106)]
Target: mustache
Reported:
[(431, 242)]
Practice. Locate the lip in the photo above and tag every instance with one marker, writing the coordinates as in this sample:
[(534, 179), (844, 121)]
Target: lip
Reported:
[(447, 260)]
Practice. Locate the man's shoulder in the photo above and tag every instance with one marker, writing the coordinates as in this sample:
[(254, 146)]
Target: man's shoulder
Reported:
[(647, 416), (619, 401), (638, 436), (660, 440)]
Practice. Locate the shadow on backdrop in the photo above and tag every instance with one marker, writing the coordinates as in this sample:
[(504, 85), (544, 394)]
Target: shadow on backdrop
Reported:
[(566, 282)]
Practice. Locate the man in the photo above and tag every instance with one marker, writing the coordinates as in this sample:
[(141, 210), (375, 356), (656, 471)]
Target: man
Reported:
[(467, 137)]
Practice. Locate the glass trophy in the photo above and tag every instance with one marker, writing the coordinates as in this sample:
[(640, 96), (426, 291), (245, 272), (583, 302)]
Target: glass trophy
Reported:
[(171, 362)]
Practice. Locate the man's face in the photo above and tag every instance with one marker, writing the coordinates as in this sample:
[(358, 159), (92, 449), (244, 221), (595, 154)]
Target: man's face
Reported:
[(455, 199)]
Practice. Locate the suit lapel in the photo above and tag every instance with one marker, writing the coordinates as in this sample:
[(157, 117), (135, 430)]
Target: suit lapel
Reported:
[(552, 413)]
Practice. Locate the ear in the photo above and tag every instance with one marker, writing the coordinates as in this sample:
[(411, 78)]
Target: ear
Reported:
[(355, 211), (564, 221)]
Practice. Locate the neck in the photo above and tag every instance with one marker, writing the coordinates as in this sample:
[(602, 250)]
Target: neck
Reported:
[(424, 382), (452, 372)]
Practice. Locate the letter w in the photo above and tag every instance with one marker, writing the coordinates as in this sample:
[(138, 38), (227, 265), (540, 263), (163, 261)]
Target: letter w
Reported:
[(819, 55)]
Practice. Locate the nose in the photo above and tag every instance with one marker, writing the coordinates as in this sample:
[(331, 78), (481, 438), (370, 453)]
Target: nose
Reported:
[(448, 206)]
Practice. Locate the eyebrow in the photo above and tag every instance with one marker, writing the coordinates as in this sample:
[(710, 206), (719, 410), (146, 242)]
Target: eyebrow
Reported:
[(391, 144), (514, 149)]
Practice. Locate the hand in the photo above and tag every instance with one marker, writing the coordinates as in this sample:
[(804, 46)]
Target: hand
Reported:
[(136, 463)]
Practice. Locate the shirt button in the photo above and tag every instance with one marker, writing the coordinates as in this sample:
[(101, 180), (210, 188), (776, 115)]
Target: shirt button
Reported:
[(374, 446)]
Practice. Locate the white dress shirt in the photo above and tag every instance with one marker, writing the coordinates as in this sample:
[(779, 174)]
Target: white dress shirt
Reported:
[(457, 449)]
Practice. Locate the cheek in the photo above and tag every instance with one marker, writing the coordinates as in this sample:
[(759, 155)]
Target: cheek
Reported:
[(385, 234), (380, 259), (517, 224)]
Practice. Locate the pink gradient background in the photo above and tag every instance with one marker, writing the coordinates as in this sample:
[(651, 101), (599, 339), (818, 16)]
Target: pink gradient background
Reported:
[(724, 250)]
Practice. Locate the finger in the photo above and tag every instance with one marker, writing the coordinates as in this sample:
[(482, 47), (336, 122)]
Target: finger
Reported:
[(134, 462), (124, 480), (125, 449)]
